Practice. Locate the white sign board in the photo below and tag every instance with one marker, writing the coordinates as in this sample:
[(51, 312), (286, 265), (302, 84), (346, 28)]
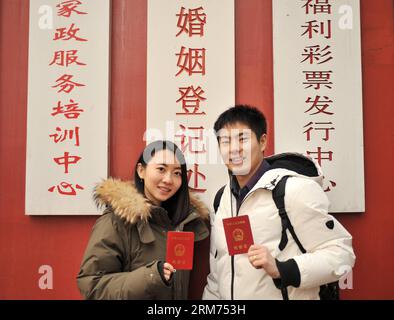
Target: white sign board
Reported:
[(191, 80), (67, 123), (318, 92)]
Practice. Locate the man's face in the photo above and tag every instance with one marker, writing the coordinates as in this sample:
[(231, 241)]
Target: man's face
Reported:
[(241, 151)]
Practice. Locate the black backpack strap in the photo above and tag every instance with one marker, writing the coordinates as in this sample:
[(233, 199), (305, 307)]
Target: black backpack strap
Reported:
[(328, 291), (278, 195), (218, 197)]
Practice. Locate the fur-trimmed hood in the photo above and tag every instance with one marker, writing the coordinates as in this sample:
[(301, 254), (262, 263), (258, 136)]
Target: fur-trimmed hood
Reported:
[(129, 204)]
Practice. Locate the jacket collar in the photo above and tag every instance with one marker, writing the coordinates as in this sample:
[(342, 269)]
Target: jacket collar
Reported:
[(271, 177)]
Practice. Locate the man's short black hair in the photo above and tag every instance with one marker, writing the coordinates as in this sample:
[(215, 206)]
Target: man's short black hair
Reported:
[(248, 115)]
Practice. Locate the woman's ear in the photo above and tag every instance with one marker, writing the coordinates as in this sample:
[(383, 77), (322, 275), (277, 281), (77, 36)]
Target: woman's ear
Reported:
[(141, 171)]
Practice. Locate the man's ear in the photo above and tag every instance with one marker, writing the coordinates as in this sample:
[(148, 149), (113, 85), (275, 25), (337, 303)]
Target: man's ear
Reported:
[(140, 171), (263, 142)]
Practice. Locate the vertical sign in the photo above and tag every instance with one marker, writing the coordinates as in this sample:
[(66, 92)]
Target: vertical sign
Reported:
[(190, 82), (67, 122), (318, 92)]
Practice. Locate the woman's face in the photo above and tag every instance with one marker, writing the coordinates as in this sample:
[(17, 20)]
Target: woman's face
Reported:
[(162, 176)]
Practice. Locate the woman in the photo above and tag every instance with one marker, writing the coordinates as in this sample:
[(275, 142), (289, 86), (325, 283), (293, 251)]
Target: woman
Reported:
[(125, 256)]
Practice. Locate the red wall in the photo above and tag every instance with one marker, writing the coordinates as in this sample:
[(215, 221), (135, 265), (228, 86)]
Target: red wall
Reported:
[(26, 242)]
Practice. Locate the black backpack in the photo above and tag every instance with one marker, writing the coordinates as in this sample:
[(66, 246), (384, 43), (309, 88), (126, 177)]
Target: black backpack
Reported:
[(305, 166)]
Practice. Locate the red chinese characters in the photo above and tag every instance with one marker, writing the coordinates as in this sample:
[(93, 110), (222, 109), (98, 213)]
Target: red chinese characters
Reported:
[(317, 6), (191, 139), (65, 58), (66, 84), (68, 34), (316, 79), (318, 126), (317, 55), (70, 111), (66, 8), (313, 28), (66, 160), (191, 98), (61, 135), (191, 22), (321, 155), (320, 129), (66, 189), (194, 176), (191, 61), (319, 105)]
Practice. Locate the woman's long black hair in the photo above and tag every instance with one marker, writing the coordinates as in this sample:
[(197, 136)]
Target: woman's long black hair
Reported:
[(178, 205)]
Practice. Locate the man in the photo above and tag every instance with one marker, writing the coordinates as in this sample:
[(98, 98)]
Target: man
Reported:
[(268, 268)]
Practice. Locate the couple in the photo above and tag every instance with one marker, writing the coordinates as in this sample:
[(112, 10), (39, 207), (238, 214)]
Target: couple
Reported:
[(125, 256)]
